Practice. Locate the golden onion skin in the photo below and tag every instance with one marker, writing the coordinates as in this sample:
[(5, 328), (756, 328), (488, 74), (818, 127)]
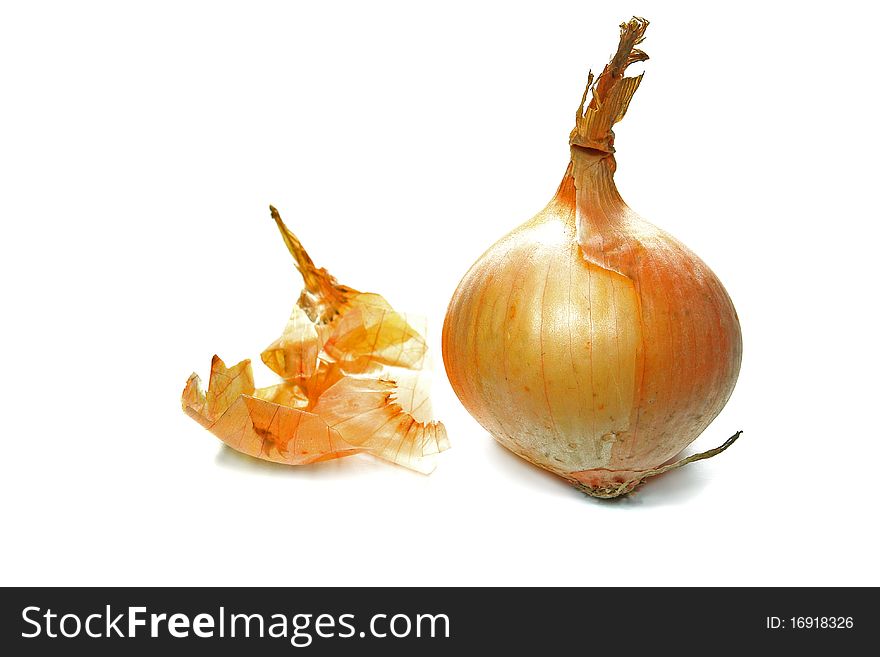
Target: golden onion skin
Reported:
[(590, 342)]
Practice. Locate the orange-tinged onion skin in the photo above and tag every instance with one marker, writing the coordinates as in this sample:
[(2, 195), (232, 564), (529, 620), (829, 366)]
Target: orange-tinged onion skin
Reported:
[(590, 342)]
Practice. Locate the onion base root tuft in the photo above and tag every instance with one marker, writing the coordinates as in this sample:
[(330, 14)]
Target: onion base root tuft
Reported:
[(610, 492)]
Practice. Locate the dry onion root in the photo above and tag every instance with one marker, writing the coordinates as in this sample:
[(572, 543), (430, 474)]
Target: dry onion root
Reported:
[(351, 383), (588, 341)]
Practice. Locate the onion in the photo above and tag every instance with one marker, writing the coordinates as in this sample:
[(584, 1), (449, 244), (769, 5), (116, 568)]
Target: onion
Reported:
[(588, 341)]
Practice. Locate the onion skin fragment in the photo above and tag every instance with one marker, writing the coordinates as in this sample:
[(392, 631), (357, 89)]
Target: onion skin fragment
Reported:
[(365, 412), (347, 415), (588, 341), (295, 354), (350, 383), (370, 332), (257, 427)]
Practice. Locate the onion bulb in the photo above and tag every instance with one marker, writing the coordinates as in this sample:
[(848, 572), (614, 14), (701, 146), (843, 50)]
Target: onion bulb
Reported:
[(588, 341)]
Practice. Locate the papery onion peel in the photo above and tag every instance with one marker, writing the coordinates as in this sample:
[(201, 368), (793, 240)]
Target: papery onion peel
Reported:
[(351, 382)]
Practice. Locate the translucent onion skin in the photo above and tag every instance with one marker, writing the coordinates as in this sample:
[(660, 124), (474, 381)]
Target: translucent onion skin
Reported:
[(588, 341)]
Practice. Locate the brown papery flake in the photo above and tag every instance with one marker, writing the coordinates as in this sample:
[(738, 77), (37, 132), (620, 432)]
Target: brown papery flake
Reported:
[(352, 381)]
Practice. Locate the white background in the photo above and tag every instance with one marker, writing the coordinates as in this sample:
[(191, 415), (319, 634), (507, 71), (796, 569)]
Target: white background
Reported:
[(140, 146)]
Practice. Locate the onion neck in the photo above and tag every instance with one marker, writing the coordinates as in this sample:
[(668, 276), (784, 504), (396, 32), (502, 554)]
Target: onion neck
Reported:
[(593, 174), (322, 297), (588, 189), (588, 185), (588, 201)]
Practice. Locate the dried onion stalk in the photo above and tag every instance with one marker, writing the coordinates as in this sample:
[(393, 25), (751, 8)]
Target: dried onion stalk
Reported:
[(351, 382), (588, 341)]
